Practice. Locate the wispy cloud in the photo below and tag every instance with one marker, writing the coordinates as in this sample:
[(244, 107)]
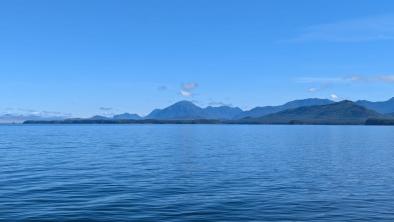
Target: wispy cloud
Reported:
[(372, 79), (216, 103), (189, 86), (319, 80), (347, 79), (33, 112), (106, 109), (318, 84), (353, 30), (387, 78), (187, 89), (162, 88)]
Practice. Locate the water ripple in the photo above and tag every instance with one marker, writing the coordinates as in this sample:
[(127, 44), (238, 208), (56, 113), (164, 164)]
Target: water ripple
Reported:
[(196, 173)]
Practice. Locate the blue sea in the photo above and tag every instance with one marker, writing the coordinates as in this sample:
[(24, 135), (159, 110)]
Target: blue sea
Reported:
[(196, 173)]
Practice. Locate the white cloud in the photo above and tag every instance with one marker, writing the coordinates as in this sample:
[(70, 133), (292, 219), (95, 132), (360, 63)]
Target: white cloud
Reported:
[(312, 89), (216, 103), (334, 97), (188, 88), (185, 93)]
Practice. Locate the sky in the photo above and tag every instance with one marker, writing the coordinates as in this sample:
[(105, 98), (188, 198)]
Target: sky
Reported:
[(92, 57)]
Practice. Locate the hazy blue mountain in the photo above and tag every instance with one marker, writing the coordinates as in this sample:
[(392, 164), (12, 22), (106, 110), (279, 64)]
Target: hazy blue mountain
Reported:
[(127, 116), (345, 112), (221, 112), (179, 110), (97, 117), (265, 110), (152, 114), (381, 107), (19, 118), (185, 110)]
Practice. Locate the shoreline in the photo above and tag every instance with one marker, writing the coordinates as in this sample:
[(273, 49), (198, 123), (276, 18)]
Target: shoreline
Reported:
[(195, 122)]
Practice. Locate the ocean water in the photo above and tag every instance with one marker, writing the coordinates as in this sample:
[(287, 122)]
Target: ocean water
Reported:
[(196, 173)]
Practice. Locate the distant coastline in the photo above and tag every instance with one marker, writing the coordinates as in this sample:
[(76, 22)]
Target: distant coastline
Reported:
[(298, 112), (372, 121)]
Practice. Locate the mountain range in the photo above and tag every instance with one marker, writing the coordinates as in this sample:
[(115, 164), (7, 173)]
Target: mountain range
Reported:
[(124, 116), (338, 113), (127, 116), (385, 107), (186, 110), (344, 112), (265, 110), (19, 118)]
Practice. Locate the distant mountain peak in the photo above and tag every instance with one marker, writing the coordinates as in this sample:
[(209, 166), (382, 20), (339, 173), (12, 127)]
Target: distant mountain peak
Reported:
[(266, 110), (343, 112), (188, 110), (184, 103), (98, 117), (127, 116), (384, 107), (180, 110), (221, 112), (309, 101)]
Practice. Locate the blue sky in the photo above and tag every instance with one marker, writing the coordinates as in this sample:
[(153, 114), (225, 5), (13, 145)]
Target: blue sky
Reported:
[(102, 57)]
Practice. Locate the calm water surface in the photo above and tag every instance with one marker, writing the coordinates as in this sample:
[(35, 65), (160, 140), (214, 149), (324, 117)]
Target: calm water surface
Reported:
[(196, 173)]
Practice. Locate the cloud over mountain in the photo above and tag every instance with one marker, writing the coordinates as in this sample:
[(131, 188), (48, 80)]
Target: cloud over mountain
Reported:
[(187, 89)]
